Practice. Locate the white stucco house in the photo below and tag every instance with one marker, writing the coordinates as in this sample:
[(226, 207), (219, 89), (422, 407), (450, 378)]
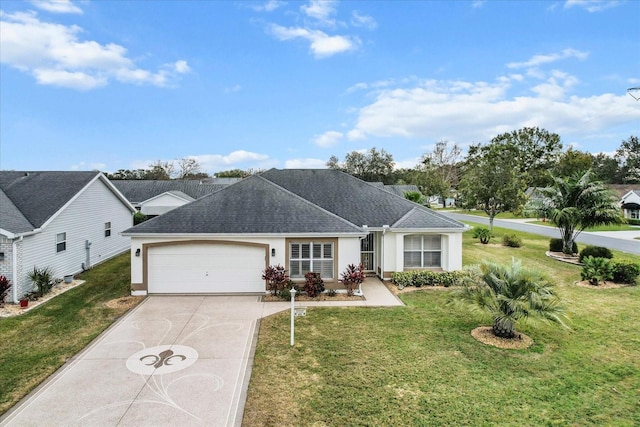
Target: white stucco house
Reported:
[(66, 221), (630, 204), (306, 220)]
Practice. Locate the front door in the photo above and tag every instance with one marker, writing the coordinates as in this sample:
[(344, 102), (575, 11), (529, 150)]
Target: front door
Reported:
[(367, 252)]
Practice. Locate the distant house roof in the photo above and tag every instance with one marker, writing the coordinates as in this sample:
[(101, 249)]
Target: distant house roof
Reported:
[(399, 190), (30, 199), (138, 191)]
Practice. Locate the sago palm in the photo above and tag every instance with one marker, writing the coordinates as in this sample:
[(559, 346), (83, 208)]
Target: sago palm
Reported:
[(510, 294)]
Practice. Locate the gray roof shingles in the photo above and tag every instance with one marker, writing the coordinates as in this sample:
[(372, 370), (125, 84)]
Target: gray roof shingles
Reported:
[(253, 205), (137, 191), (38, 195)]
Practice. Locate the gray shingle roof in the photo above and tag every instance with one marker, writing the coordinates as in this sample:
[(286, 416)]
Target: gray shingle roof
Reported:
[(355, 200), (253, 205), (38, 195), (11, 219), (137, 191)]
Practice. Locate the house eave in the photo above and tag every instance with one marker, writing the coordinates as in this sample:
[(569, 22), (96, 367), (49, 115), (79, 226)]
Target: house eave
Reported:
[(242, 235)]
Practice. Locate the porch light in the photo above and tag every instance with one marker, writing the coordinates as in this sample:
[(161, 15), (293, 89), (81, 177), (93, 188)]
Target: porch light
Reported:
[(273, 251), (138, 252)]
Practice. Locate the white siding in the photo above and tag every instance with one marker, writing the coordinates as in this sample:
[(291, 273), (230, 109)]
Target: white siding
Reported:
[(83, 219), (161, 204)]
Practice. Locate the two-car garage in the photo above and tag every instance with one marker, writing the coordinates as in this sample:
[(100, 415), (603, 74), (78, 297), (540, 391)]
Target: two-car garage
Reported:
[(205, 267)]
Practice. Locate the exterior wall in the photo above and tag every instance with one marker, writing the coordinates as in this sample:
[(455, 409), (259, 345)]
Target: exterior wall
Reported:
[(82, 220), (347, 251), (451, 247), (6, 264), (161, 204)]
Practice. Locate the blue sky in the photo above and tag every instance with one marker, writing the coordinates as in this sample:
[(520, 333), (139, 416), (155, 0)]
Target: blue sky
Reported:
[(110, 85)]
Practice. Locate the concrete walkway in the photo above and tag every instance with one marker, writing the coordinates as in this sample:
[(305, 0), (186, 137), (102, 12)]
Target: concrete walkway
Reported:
[(173, 360)]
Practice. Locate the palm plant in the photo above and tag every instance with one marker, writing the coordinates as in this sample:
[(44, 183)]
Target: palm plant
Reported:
[(510, 294), (577, 203)]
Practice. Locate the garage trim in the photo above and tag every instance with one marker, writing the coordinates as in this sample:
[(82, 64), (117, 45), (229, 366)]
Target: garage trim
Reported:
[(147, 246)]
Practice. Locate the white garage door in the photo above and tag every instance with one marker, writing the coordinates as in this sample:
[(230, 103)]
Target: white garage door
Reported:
[(205, 269)]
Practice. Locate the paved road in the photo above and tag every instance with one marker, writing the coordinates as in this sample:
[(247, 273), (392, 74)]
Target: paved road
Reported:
[(625, 244)]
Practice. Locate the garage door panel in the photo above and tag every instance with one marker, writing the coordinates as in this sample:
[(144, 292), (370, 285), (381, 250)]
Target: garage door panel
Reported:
[(206, 268)]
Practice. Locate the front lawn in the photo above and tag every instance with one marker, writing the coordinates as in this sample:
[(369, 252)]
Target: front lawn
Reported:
[(419, 365), (36, 343)]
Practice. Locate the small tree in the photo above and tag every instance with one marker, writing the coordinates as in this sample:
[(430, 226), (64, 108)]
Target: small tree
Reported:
[(482, 233), (42, 278), (276, 277), (353, 277), (577, 203), (509, 294)]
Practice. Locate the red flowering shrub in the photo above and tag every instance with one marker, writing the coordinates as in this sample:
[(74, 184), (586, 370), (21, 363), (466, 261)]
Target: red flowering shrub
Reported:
[(276, 277), (313, 284), (352, 277)]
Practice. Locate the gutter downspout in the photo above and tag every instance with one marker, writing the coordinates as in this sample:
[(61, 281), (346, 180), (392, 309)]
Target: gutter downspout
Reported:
[(384, 230), (14, 268)]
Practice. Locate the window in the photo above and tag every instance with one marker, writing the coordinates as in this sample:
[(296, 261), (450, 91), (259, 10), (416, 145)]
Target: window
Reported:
[(61, 242), (107, 229), (422, 251), (311, 256)]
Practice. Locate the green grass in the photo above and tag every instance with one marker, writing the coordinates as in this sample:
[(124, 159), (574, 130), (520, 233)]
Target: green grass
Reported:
[(35, 344), (613, 227), (418, 365)]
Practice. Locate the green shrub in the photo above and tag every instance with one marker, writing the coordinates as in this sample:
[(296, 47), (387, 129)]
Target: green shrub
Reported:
[(42, 278), (403, 279), (331, 292), (596, 270), (138, 218), (625, 272), (285, 294), (512, 241), (555, 245), (633, 221), (482, 233), (596, 252)]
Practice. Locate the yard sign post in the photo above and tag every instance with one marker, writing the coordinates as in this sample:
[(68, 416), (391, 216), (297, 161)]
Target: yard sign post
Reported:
[(293, 301)]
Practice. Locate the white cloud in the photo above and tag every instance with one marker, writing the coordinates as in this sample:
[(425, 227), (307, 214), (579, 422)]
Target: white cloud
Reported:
[(84, 166), (592, 5), (322, 45), (54, 55), (358, 20), (470, 112), (305, 164), (328, 139), (233, 89), (268, 6), (320, 10), (538, 60), (56, 6), (476, 4)]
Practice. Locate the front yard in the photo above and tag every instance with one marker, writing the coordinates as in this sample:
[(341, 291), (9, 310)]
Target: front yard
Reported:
[(419, 365)]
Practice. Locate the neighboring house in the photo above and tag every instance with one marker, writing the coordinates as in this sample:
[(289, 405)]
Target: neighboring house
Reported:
[(630, 204), (66, 221), (155, 197), (306, 220)]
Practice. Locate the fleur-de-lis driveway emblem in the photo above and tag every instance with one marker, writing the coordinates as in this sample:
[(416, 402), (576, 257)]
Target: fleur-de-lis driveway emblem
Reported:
[(164, 358)]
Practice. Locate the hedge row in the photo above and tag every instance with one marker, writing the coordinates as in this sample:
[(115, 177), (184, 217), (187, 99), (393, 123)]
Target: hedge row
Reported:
[(428, 278)]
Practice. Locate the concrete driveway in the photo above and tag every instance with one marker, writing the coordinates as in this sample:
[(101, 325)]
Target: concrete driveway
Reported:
[(179, 360)]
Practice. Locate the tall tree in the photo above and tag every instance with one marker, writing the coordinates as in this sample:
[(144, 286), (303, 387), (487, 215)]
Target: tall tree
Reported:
[(577, 203), (372, 166), (606, 169), (491, 180), (159, 170), (628, 158), (189, 168), (572, 162), (441, 169), (536, 152)]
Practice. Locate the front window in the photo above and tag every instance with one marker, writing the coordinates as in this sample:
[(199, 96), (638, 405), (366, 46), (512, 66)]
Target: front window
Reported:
[(311, 256), (422, 251), (107, 229), (61, 242)]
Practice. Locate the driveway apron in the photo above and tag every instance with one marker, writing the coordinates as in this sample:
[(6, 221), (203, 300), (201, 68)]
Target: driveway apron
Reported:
[(179, 360)]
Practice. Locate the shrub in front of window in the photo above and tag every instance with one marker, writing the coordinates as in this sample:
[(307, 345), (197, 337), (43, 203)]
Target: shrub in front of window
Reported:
[(596, 270), (596, 252), (418, 279), (5, 285), (276, 277), (313, 285), (482, 233), (625, 272), (512, 241), (352, 277), (555, 245)]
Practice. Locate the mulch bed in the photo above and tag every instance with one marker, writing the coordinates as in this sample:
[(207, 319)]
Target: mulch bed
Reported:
[(124, 302), (9, 310), (602, 285), (321, 297), (484, 334)]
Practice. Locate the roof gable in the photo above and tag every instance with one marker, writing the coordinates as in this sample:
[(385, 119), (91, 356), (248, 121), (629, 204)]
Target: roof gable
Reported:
[(138, 191), (11, 219), (253, 205)]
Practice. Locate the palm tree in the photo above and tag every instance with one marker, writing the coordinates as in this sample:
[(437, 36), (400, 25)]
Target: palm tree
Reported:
[(509, 294), (577, 203)]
